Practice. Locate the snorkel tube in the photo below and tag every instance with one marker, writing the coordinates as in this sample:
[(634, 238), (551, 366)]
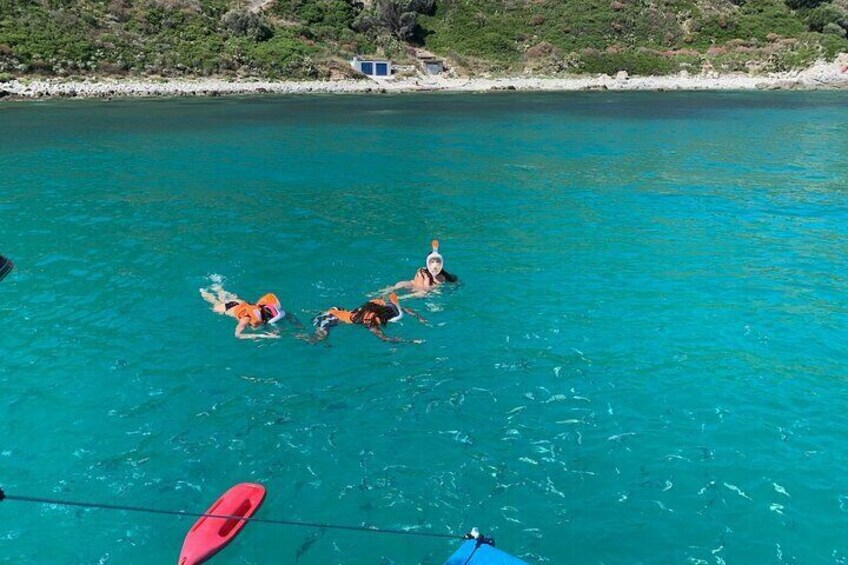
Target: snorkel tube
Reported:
[(435, 253), (394, 300)]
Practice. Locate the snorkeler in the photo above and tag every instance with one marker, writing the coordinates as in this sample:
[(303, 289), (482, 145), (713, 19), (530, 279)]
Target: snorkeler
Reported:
[(267, 310), (374, 315), (427, 278)]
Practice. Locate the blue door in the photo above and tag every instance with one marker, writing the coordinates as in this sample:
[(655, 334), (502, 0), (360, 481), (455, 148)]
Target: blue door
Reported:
[(382, 69), (367, 68)]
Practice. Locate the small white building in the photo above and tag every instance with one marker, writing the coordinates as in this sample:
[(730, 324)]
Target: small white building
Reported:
[(433, 66), (374, 68)]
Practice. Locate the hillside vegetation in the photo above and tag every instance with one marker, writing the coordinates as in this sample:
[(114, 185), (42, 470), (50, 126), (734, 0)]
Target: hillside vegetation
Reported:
[(315, 38)]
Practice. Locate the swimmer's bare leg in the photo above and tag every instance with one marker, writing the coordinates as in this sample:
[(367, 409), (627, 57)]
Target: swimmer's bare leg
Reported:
[(218, 297), (293, 320), (319, 336), (224, 295), (416, 294), (217, 305)]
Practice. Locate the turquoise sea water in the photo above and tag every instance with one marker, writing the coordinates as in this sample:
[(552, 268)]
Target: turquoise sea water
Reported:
[(645, 361)]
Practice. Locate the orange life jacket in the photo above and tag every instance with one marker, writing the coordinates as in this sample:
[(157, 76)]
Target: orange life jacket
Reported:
[(249, 311), (254, 311), (270, 299)]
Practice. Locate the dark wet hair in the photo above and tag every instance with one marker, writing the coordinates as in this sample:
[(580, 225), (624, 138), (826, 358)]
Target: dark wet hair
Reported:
[(448, 277), (384, 312), (268, 313)]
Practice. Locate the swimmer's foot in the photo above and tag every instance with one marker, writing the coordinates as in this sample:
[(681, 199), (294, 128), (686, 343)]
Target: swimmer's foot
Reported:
[(208, 296), (312, 339)]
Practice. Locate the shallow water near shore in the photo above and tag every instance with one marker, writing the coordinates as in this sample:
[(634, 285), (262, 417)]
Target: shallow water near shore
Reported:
[(644, 363)]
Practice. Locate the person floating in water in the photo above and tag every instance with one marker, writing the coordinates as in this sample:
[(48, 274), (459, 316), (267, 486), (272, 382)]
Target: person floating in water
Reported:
[(374, 315), (267, 310), (428, 277)]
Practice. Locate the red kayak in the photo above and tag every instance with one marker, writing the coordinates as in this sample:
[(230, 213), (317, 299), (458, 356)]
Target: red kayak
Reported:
[(208, 536)]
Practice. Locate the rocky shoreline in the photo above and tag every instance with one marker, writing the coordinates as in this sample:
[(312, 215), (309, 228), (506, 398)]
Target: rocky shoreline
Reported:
[(822, 75)]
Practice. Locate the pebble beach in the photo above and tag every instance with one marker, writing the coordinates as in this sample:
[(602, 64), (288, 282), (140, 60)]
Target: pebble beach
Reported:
[(822, 75)]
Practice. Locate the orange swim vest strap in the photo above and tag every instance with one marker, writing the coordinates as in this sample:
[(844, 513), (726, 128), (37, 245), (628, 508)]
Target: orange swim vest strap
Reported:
[(344, 316), (250, 311)]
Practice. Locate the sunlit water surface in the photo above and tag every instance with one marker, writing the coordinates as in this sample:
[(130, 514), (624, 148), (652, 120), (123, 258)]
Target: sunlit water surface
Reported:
[(645, 361)]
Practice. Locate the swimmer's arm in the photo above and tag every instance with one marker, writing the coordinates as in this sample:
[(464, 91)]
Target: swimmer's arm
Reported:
[(242, 325), (389, 289), (260, 336), (379, 333), (264, 335), (396, 286), (416, 294), (416, 315)]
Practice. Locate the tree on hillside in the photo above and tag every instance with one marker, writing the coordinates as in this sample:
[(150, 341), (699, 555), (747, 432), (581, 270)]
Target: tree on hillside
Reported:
[(247, 23), (828, 16), (397, 17)]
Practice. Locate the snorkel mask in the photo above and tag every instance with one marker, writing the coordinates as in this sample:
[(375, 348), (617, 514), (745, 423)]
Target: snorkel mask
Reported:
[(435, 256), (270, 314)]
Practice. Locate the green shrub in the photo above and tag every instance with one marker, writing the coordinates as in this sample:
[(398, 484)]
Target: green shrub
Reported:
[(834, 29), (320, 19), (282, 55), (821, 16), (635, 63), (831, 45), (798, 4), (757, 19)]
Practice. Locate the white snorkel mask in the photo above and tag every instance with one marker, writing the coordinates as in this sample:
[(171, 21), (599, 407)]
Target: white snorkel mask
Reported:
[(280, 314), (434, 255)]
